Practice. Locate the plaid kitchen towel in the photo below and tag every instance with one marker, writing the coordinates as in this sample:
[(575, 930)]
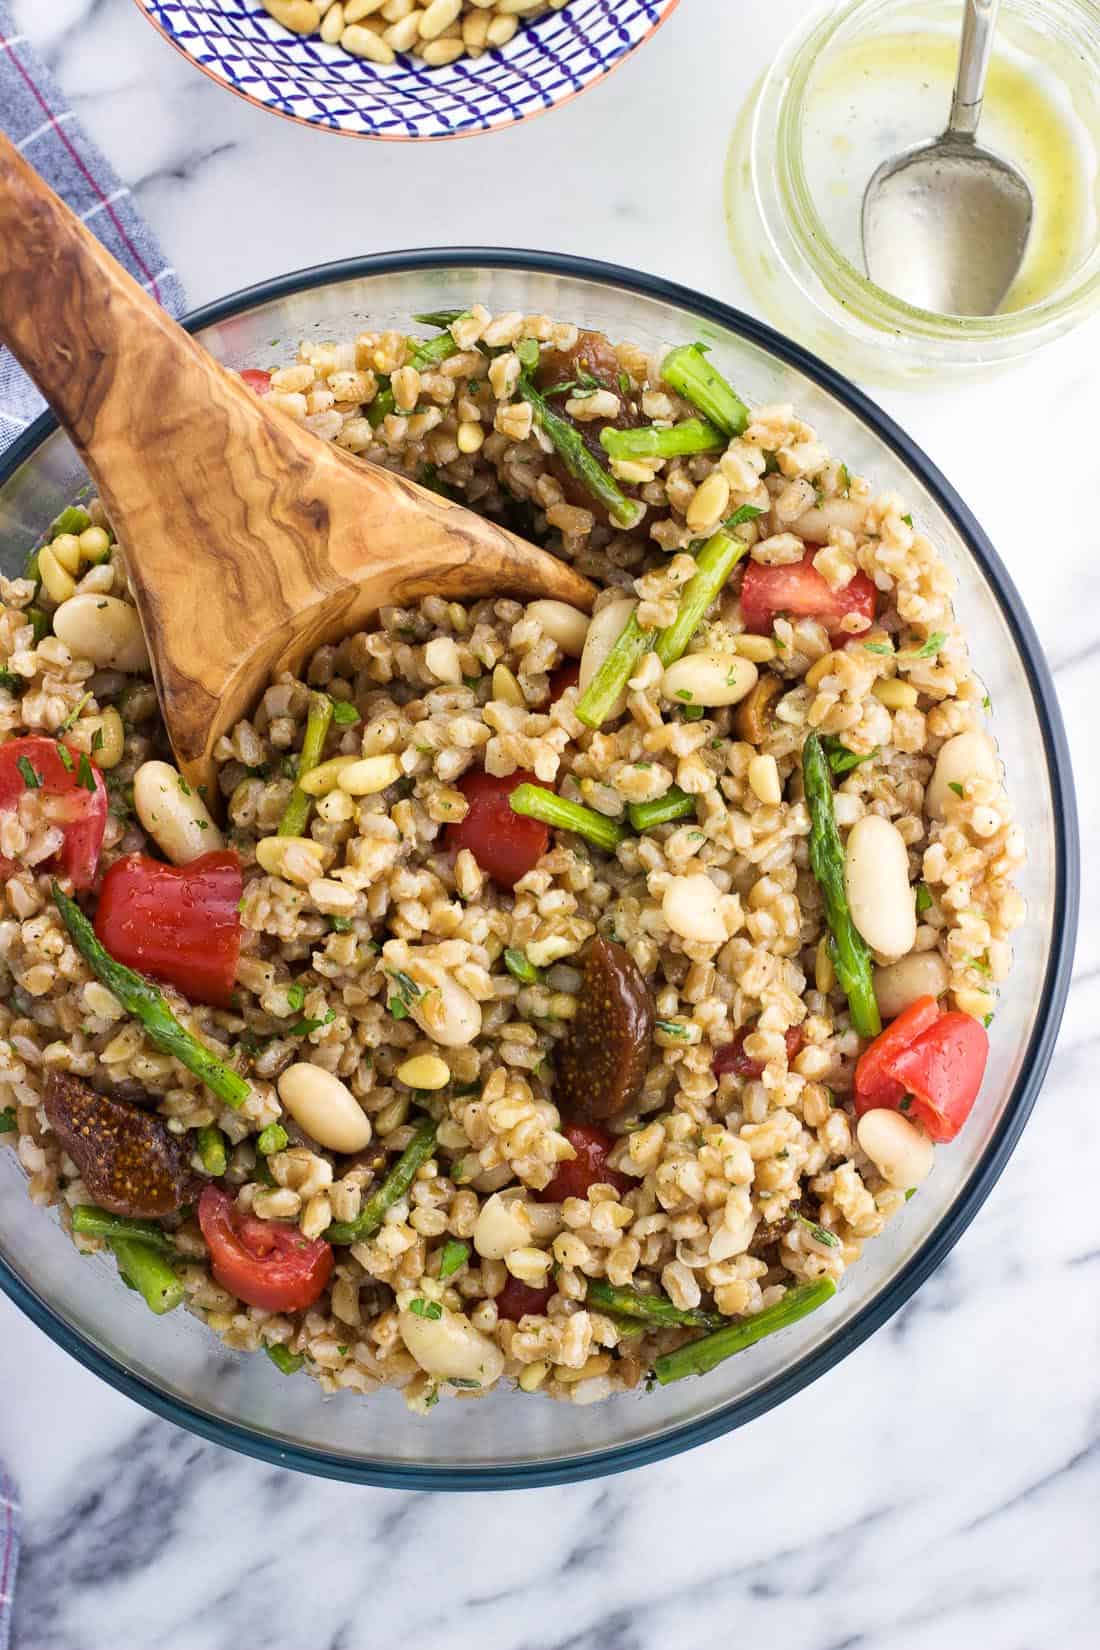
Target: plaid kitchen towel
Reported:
[(33, 114)]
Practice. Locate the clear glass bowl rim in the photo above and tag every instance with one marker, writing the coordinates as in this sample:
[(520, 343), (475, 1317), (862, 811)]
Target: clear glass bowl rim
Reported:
[(787, 79), (942, 1239)]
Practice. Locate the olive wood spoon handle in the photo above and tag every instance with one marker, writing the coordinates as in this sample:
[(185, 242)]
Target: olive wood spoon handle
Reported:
[(248, 540)]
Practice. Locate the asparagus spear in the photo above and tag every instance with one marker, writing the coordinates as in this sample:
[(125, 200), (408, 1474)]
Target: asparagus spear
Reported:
[(675, 804), (656, 1310), (440, 317), (535, 802), (382, 405), (697, 1357), (517, 964), (694, 435), (714, 564), (142, 999), (425, 353), (210, 1145), (692, 376), (285, 1361), (580, 463), (594, 705), (851, 957), (149, 1272), (318, 722), (394, 1187), (93, 1222)]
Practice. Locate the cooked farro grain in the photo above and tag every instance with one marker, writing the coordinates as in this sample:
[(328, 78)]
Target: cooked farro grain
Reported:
[(407, 977)]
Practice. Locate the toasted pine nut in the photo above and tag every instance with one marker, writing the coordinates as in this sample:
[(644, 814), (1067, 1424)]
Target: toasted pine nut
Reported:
[(59, 584), (322, 779), (95, 544), (438, 52), (108, 754), (294, 858), (710, 503), (760, 649), (66, 548), (425, 1071), (763, 775), (470, 436), (363, 42), (439, 15), (893, 694), (824, 972), (507, 689), (825, 666), (299, 16), (369, 775), (531, 1376)]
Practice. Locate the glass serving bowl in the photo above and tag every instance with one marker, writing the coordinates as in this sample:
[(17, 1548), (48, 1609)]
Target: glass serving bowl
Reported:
[(174, 1365), (856, 84)]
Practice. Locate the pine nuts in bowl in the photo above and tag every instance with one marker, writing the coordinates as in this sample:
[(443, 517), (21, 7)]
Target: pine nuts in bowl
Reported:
[(722, 882), (408, 69)]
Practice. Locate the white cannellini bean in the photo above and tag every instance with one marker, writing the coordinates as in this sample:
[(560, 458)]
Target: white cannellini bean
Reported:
[(173, 813), (846, 513), (708, 679), (325, 1107), (603, 632), (876, 879), (445, 1010), (691, 909), (503, 1225), (901, 1152), (103, 629), (450, 1348), (965, 756), (565, 625), (920, 974)]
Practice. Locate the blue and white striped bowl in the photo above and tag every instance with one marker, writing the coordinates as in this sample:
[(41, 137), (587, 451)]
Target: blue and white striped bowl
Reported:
[(548, 62)]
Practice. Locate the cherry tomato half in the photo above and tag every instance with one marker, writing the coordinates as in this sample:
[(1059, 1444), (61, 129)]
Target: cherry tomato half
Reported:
[(800, 592), (516, 1299), (593, 1146), (876, 1086), (943, 1072), (259, 382), (179, 923), (35, 763), (505, 844), (262, 1262), (562, 679), (926, 1064), (732, 1056)]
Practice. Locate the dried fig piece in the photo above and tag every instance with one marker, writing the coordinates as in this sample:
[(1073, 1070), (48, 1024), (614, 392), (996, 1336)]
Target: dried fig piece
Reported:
[(129, 1162), (604, 1056)]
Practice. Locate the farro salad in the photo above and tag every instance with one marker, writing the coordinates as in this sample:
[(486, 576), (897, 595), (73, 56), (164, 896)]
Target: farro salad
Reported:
[(523, 1021)]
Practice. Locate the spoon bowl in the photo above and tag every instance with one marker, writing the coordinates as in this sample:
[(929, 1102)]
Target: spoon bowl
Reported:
[(248, 540)]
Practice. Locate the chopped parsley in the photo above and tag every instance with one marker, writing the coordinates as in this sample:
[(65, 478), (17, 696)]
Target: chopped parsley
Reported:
[(341, 925), (454, 1256), (520, 968), (296, 997), (845, 480), (272, 1139), (97, 740), (420, 1308), (840, 758), (987, 703), (84, 774), (73, 714), (407, 989), (7, 1120), (625, 386), (744, 513), (906, 1103), (397, 1008), (820, 1234), (694, 713), (979, 964), (953, 785), (908, 520), (685, 694), (673, 1028), (924, 898), (877, 647), (303, 1028), (31, 779), (12, 683), (912, 1192), (987, 1021), (65, 757), (932, 645), (183, 785)]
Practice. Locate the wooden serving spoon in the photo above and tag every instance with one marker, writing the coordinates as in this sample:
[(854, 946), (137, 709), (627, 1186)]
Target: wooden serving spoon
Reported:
[(249, 541)]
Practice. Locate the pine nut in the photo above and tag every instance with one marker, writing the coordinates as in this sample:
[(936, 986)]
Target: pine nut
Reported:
[(529, 1265), (501, 30), (901, 1152), (876, 879), (425, 1071), (710, 503), (66, 548), (895, 695), (402, 36), (95, 545), (59, 584), (825, 666), (470, 436), (824, 972), (920, 974), (103, 629), (363, 42), (369, 775), (322, 779), (438, 16), (438, 52), (968, 755), (325, 1107), (356, 10), (565, 625), (763, 775), (507, 689), (109, 724), (173, 813), (333, 24), (296, 859), (299, 16), (442, 659), (760, 649), (531, 1376)]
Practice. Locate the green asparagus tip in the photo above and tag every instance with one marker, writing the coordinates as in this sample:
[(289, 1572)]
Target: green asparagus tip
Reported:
[(701, 1356), (535, 802)]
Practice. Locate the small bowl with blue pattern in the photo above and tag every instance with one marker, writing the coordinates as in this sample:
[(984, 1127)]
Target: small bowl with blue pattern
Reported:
[(552, 57)]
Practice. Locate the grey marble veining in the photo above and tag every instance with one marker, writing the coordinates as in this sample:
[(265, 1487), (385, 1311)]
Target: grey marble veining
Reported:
[(940, 1488)]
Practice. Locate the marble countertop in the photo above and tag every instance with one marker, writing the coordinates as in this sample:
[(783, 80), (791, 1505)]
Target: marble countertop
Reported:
[(937, 1489)]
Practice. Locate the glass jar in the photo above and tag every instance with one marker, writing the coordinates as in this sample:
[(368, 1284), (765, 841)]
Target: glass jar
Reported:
[(860, 82)]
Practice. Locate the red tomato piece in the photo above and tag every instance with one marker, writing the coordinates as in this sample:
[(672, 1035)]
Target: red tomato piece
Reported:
[(593, 1146), (505, 844), (263, 1262), (800, 592), (516, 1299), (732, 1056), (259, 382), (876, 1085), (565, 677), (79, 812), (179, 923), (942, 1072)]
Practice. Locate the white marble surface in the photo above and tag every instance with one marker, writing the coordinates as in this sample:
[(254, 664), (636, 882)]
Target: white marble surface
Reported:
[(938, 1489)]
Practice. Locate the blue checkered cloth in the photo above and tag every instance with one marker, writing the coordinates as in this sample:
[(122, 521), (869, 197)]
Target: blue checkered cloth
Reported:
[(34, 115)]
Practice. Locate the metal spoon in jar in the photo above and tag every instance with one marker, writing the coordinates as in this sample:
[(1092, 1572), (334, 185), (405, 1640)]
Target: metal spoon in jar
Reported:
[(946, 223)]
